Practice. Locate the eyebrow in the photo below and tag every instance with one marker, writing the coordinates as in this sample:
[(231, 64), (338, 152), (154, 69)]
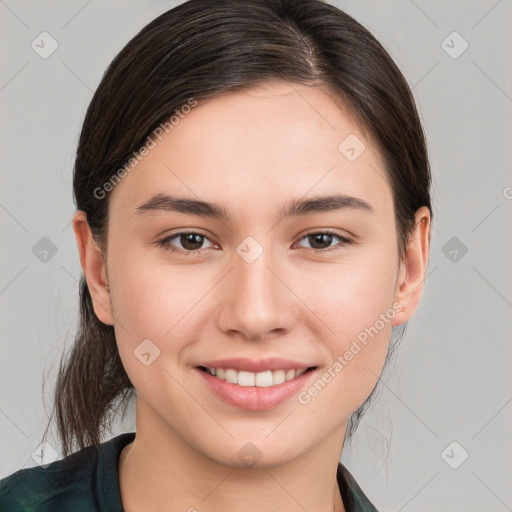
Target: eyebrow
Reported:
[(298, 207)]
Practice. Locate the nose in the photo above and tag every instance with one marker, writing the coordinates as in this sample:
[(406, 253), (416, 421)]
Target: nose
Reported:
[(256, 302)]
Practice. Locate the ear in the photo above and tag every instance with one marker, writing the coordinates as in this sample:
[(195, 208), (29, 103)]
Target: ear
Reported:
[(94, 268), (411, 275)]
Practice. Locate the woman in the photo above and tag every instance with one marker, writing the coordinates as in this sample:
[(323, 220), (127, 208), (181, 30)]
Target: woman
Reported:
[(253, 219)]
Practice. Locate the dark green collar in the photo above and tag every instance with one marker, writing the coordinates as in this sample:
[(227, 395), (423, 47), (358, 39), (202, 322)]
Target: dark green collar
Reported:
[(353, 497)]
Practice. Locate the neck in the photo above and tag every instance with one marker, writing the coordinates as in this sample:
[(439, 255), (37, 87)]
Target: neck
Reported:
[(159, 469)]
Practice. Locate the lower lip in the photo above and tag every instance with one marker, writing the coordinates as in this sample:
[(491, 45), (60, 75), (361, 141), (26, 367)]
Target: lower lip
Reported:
[(254, 398)]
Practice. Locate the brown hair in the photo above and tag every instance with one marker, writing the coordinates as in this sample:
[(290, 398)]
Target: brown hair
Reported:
[(200, 49)]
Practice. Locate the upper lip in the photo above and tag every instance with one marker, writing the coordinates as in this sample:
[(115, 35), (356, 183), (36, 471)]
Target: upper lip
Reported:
[(256, 366)]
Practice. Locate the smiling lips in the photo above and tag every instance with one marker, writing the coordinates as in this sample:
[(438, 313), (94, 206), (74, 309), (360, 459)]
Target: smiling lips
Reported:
[(261, 379), (255, 385)]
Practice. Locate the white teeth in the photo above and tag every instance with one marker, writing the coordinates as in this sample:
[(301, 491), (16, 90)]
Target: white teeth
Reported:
[(260, 380), (290, 374), (232, 376), (264, 379), (245, 378), (278, 377)]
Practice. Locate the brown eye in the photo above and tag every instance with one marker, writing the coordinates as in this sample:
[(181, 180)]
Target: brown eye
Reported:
[(321, 241), (191, 241), (185, 242)]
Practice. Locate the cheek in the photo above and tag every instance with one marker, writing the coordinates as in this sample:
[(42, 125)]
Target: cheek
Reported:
[(152, 298), (351, 295), (356, 305), (161, 303)]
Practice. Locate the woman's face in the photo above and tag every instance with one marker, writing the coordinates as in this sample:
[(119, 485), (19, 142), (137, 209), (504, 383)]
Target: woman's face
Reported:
[(252, 286)]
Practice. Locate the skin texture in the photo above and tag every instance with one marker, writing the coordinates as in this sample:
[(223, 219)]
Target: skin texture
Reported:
[(253, 152)]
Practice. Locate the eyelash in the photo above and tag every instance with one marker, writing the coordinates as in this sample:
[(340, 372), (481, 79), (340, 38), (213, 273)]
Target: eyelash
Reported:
[(164, 244)]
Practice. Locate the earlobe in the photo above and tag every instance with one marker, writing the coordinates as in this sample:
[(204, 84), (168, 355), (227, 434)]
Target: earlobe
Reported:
[(94, 268), (413, 269)]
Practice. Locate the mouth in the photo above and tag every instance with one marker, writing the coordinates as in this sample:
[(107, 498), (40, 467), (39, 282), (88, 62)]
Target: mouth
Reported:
[(259, 390), (264, 379)]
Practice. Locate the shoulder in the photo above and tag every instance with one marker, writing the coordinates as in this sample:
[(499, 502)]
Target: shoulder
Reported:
[(60, 485), (72, 483)]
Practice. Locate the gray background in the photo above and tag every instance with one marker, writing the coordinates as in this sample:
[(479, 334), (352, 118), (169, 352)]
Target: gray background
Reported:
[(452, 378)]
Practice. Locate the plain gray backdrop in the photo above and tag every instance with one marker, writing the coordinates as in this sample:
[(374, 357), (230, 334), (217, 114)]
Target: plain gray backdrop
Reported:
[(437, 438)]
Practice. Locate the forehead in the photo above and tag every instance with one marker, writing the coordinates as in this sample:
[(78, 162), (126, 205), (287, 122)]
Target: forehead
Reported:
[(277, 139)]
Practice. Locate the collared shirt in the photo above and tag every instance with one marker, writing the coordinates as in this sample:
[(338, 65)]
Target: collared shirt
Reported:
[(88, 481)]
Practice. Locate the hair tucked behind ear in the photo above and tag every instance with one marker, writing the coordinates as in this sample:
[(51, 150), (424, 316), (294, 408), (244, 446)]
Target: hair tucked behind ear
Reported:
[(198, 50)]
